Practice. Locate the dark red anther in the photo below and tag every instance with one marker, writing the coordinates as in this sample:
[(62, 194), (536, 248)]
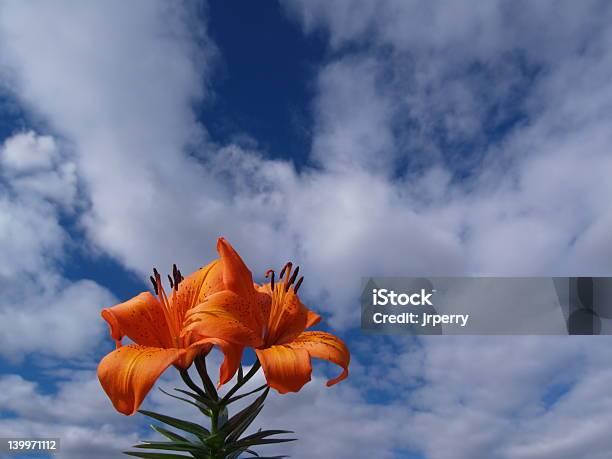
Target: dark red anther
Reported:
[(288, 266), (291, 279), (294, 275), (299, 282), (170, 280), (154, 284), (270, 272)]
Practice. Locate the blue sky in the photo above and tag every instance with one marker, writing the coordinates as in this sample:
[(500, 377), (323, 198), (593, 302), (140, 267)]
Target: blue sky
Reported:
[(356, 138)]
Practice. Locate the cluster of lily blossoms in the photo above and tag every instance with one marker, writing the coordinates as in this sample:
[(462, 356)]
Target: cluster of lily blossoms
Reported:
[(217, 305)]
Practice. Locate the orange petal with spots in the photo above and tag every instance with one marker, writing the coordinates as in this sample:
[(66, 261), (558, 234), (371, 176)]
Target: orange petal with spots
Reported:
[(141, 319), (128, 373), (198, 285), (227, 316), (325, 346), (286, 369)]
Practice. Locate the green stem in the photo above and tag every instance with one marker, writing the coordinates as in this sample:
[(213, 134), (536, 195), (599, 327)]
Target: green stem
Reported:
[(215, 449), (215, 442)]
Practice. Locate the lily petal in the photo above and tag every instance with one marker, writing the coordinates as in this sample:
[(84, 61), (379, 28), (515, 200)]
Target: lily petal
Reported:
[(286, 369), (231, 362), (141, 319), (236, 276), (198, 285), (325, 346), (225, 315), (288, 317), (128, 373), (312, 319)]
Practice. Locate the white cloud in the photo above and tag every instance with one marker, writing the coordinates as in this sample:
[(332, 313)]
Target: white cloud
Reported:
[(40, 311), (35, 168), (27, 151), (78, 414)]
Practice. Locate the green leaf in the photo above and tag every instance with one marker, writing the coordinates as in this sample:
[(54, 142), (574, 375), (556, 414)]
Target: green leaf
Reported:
[(204, 400), (168, 434), (266, 433), (258, 441), (243, 444), (243, 425), (238, 397), (178, 423), (173, 446), (155, 455), (200, 407), (239, 418)]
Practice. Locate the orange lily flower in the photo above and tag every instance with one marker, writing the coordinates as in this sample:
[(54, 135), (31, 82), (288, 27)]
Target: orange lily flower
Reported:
[(155, 324), (271, 319)]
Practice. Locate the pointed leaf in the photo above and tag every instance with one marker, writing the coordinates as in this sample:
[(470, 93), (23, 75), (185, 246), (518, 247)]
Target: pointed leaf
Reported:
[(187, 426), (266, 433), (168, 434), (238, 397), (244, 425), (174, 446), (239, 417), (202, 409), (204, 400), (243, 444), (155, 455)]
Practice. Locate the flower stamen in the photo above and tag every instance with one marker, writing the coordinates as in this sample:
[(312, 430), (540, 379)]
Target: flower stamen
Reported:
[(297, 286), (288, 266), (270, 272), (292, 279), (154, 285)]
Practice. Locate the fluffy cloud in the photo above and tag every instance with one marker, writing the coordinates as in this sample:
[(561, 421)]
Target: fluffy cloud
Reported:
[(77, 413), (41, 311)]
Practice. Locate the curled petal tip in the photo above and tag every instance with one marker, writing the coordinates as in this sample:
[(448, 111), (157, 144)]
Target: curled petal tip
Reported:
[(221, 241)]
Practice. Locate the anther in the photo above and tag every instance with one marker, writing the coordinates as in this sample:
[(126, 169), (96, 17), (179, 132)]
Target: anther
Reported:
[(291, 279), (288, 266), (270, 272), (294, 276), (297, 286), (154, 284), (170, 280)]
